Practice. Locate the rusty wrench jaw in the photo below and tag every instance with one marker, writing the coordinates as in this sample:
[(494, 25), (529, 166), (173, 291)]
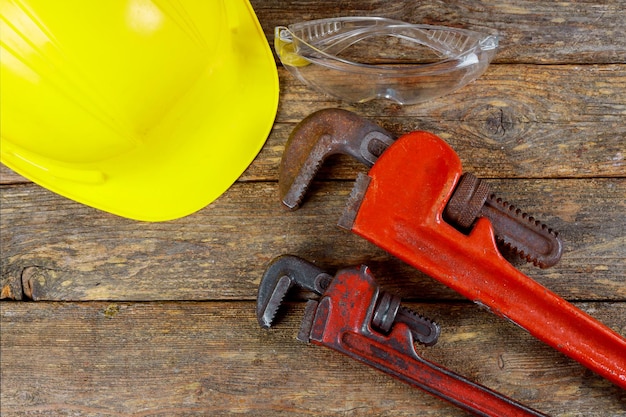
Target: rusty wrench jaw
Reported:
[(357, 319), (282, 274), (322, 134)]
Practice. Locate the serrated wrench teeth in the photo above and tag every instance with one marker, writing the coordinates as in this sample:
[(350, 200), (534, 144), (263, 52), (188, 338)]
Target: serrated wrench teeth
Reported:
[(269, 308), (283, 273), (514, 229)]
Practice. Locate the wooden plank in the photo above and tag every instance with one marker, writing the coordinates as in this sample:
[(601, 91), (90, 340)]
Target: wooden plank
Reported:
[(62, 250), (530, 31), (528, 93), (191, 359), (7, 176), (514, 121)]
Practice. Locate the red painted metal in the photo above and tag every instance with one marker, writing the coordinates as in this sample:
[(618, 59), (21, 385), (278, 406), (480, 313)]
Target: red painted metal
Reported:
[(342, 321), (401, 212)]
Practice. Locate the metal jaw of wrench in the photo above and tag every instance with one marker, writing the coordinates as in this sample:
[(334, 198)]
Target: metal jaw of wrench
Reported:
[(354, 317), (401, 206)]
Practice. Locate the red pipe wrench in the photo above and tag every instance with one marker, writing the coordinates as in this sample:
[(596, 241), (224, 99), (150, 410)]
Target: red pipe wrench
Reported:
[(399, 206), (355, 317)]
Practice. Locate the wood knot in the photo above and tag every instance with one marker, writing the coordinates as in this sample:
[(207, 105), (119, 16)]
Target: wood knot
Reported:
[(498, 122), (33, 278), (37, 280), (8, 293), (111, 311)]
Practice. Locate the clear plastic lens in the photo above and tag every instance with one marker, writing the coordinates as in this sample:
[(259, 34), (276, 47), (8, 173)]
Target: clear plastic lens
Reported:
[(399, 61)]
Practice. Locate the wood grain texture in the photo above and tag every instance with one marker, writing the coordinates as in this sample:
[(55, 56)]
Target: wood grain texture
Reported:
[(192, 359), (61, 250), (8, 176)]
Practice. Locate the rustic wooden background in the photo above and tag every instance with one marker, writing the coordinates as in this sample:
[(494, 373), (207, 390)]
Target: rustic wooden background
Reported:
[(107, 316)]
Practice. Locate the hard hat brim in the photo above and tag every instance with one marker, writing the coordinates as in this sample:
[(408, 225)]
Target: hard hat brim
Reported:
[(197, 151)]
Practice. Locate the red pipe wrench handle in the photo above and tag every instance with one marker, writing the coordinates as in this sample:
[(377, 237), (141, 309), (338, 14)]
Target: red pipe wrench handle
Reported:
[(342, 321), (402, 212)]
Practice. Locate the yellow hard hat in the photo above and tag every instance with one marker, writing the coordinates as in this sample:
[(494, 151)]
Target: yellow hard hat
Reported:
[(148, 109)]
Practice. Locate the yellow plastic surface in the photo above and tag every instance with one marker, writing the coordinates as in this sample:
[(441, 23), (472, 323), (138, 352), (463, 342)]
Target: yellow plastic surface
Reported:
[(148, 109)]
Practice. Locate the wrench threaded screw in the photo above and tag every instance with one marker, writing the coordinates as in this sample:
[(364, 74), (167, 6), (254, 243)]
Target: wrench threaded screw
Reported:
[(388, 311), (525, 236), (385, 311)]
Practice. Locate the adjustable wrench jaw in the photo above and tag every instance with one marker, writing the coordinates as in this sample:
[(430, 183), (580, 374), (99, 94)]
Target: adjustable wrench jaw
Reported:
[(282, 274), (407, 221), (322, 134)]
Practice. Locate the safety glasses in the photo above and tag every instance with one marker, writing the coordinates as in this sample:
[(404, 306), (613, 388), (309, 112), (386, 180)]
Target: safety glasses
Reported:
[(358, 59)]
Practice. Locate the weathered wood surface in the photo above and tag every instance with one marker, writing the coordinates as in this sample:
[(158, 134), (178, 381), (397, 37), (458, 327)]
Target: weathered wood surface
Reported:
[(177, 333), (61, 250), (192, 359)]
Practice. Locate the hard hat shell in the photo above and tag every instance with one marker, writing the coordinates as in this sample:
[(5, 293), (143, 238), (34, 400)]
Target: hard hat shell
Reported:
[(148, 109)]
